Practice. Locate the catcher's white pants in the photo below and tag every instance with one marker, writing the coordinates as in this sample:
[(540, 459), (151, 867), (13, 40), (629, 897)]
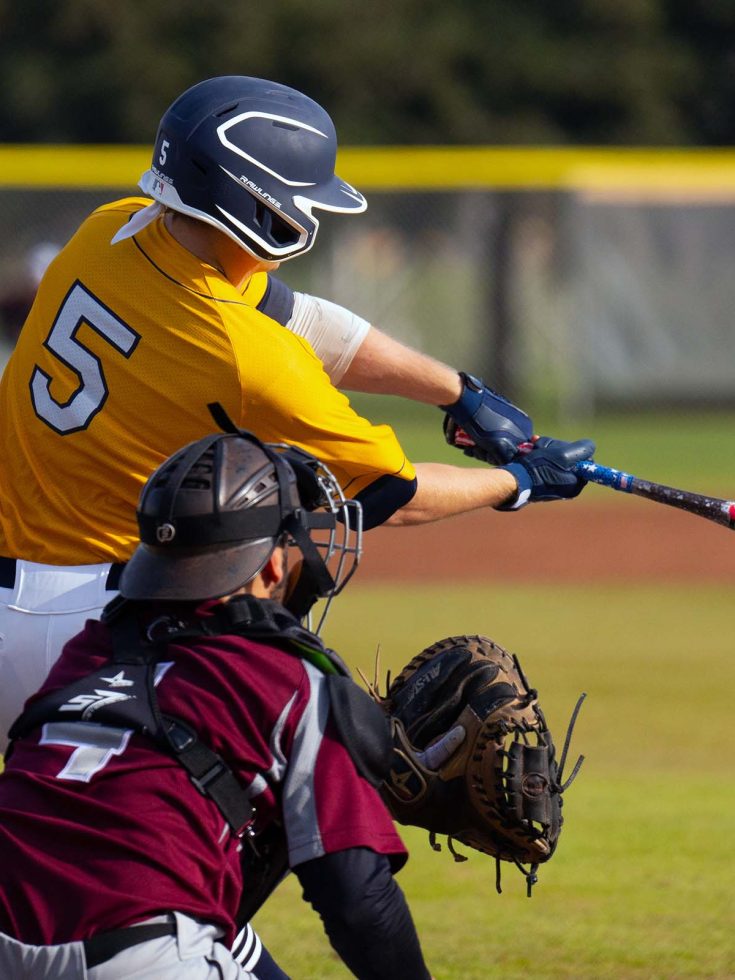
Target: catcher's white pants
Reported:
[(41, 607), (193, 953)]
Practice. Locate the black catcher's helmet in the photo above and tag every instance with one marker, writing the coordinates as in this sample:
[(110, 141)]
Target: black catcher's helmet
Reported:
[(211, 515), (253, 158)]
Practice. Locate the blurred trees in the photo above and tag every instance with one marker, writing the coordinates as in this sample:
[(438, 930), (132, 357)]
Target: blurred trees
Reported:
[(390, 71)]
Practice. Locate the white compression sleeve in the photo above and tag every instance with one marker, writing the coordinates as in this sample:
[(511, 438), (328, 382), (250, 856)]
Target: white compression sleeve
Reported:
[(334, 332)]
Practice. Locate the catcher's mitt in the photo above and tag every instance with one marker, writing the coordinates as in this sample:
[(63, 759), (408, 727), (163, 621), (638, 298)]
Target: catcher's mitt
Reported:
[(473, 757)]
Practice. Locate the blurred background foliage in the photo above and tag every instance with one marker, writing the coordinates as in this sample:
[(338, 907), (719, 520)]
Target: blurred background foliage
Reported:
[(607, 72)]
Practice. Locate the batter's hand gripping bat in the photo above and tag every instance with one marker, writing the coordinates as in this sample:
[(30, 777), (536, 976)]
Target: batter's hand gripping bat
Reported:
[(711, 508)]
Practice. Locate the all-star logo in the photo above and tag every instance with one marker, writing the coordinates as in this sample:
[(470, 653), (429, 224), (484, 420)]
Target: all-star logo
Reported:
[(87, 704), (399, 784), (119, 680), (422, 680), (165, 533)]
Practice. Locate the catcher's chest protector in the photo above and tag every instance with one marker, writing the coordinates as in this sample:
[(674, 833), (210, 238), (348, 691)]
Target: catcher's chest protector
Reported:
[(362, 726), (91, 700)]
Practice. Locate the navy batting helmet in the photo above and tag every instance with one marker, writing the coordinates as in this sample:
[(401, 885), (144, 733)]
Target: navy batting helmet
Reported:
[(211, 515), (253, 158)]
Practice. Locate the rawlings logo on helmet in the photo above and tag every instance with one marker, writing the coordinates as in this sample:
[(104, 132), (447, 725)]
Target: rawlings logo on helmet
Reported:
[(259, 190)]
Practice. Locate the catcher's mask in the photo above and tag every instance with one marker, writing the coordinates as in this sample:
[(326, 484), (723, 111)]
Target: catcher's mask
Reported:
[(253, 158), (212, 514)]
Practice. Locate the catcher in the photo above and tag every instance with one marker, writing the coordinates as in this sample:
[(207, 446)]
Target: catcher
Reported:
[(188, 749), (198, 741)]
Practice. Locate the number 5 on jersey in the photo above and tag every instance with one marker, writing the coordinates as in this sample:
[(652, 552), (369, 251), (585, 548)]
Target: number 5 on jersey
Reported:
[(80, 306)]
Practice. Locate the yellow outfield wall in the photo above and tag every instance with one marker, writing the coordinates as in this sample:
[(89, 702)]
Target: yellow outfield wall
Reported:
[(707, 172)]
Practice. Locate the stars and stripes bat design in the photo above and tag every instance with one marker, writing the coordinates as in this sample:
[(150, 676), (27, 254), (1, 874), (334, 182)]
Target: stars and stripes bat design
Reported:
[(711, 508)]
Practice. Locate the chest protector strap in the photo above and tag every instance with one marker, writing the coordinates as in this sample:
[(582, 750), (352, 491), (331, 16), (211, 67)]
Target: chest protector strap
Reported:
[(122, 694)]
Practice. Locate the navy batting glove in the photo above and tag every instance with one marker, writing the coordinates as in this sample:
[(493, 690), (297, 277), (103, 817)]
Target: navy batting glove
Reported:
[(547, 471), (495, 426)]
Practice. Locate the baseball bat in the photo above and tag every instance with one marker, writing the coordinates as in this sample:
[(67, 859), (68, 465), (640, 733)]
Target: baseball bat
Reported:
[(711, 508)]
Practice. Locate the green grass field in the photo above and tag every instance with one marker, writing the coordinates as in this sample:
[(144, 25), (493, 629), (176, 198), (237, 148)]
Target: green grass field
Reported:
[(641, 885)]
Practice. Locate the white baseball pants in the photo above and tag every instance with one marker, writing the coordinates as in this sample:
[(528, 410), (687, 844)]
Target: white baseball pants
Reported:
[(41, 607)]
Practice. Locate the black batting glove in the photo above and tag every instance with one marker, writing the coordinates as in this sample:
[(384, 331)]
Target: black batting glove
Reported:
[(485, 425), (546, 472)]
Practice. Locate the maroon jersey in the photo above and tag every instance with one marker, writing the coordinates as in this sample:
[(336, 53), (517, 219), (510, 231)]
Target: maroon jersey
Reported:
[(99, 828)]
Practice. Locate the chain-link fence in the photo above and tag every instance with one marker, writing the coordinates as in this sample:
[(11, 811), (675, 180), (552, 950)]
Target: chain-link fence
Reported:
[(569, 297)]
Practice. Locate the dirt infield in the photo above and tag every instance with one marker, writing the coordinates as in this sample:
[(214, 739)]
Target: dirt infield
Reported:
[(574, 542)]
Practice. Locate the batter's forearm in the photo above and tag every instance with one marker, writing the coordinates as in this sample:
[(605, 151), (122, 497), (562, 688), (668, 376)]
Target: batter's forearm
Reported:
[(444, 491), (384, 366)]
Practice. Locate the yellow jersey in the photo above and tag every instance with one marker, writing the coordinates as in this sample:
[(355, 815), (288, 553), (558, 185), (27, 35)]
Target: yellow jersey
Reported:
[(125, 346)]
